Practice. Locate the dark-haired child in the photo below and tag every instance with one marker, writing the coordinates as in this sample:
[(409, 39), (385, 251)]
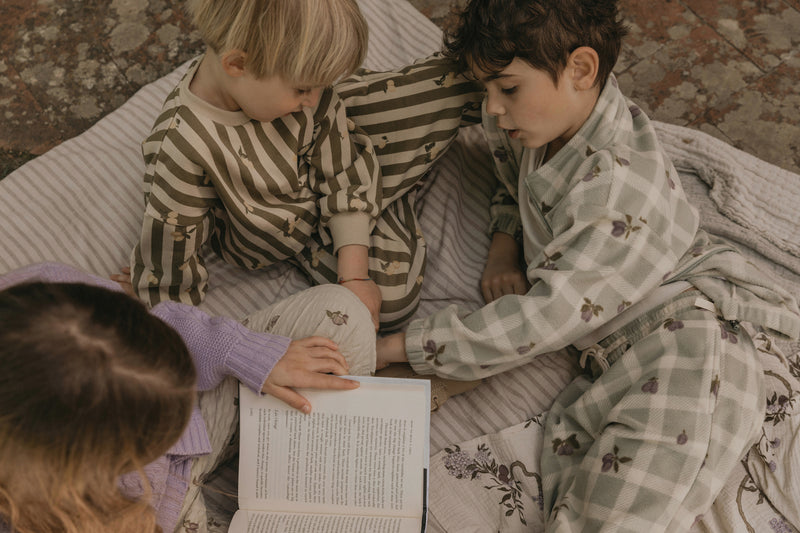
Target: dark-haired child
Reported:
[(615, 266)]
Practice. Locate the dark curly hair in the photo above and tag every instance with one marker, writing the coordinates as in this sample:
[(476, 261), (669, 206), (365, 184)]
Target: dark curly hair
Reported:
[(543, 33)]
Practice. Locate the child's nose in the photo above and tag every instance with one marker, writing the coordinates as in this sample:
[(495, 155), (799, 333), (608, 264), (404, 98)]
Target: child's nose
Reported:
[(311, 99), (493, 107)]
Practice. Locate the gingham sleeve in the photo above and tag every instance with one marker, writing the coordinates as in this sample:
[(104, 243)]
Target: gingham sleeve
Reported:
[(344, 172), (602, 258)]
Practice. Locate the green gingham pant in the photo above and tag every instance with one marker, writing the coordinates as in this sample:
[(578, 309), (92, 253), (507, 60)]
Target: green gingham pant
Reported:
[(646, 445)]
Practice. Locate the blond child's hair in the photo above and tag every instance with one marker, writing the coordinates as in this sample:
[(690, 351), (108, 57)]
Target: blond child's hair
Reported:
[(93, 387), (311, 42)]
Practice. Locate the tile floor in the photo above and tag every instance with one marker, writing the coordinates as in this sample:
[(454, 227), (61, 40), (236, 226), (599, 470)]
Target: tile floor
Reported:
[(729, 68)]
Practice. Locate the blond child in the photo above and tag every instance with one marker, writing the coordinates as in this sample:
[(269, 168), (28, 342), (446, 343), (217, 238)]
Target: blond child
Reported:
[(252, 155)]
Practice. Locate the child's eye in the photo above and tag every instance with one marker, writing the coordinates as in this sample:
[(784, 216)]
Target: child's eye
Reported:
[(303, 92), (509, 90)]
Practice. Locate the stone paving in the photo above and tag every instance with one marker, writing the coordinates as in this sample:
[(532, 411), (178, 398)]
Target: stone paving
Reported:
[(728, 68)]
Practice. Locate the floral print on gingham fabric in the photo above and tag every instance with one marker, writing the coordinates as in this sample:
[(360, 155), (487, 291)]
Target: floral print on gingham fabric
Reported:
[(761, 488), (613, 267)]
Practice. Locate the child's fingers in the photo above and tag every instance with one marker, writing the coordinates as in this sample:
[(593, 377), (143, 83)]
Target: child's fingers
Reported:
[(328, 366), (491, 293), (124, 281), (312, 381), (520, 287), (289, 397), (486, 292), (307, 354), (325, 353), (492, 289), (325, 381), (318, 341)]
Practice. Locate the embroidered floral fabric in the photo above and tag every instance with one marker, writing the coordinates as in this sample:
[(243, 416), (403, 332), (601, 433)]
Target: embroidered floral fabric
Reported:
[(491, 483)]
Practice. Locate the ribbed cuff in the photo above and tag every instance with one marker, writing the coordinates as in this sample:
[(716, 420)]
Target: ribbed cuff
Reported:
[(256, 356), (414, 347), (506, 223), (349, 228)]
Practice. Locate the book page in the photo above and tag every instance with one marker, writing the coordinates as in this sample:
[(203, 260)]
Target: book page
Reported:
[(266, 522), (363, 451)]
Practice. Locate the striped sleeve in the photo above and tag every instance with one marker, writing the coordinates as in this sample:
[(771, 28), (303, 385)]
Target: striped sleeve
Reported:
[(165, 264), (343, 170), (410, 114)]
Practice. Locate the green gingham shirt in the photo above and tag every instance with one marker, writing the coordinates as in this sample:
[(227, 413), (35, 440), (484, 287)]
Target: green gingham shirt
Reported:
[(255, 191), (619, 225)]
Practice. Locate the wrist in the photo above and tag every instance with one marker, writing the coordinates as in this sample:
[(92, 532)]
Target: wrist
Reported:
[(392, 348), (504, 241), (352, 263), (343, 281)]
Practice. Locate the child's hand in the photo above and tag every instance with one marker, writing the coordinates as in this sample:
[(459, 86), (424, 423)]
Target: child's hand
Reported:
[(369, 293), (307, 363), (124, 281), (502, 274)]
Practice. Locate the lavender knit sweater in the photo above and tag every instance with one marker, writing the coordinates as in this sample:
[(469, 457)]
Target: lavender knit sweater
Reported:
[(219, 346)]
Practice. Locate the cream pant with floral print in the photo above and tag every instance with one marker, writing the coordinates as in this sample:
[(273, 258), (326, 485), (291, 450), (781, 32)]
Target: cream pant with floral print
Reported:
[(331, 311)]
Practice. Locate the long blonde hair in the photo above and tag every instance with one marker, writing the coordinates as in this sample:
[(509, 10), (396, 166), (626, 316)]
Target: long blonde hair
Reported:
[(92, 387), (313, 42)]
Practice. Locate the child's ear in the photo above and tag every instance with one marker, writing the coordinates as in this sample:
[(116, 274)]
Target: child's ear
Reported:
[(233, 63), (583, 64)]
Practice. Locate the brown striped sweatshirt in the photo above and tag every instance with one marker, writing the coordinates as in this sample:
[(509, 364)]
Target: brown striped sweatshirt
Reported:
[(254, 191)]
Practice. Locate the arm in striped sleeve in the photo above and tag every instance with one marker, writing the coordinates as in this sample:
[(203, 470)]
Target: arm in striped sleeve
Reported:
[(165, 264), (344, 172)]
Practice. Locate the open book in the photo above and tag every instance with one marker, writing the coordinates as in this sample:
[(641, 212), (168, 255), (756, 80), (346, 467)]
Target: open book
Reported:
[(358, 462)]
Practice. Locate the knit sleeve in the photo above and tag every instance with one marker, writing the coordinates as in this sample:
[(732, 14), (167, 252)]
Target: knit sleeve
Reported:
[(223, 347)]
